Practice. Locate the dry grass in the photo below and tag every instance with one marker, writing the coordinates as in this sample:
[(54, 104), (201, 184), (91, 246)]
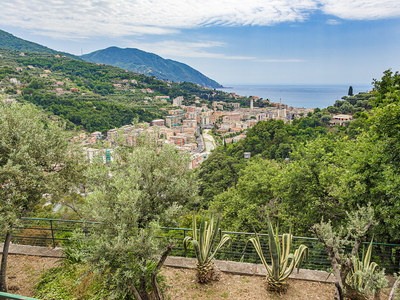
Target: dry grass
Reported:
[(23, 272), (235, 287)]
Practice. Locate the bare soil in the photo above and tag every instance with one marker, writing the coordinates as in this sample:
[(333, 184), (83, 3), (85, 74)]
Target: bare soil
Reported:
[(23, 272), (182, 285)]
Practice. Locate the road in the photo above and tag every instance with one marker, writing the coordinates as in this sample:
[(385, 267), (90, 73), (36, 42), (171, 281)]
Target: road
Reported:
[(200, 142), (208, 140)]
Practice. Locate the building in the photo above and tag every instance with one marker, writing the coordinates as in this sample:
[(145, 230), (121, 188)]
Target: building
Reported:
[(177, 101), (236, 105), (340, 119), (161, 97), (158, 122), (14, 81), (174, 120)]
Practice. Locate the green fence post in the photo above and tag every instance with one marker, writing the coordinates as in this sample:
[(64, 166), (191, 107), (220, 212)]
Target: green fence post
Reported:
[(52, 233)]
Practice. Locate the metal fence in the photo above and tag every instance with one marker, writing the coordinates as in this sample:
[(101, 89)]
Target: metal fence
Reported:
[(56, 233), (16, 297)]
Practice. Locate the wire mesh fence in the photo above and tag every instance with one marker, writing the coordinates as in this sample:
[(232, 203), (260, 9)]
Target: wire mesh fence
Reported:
[(56, 233)]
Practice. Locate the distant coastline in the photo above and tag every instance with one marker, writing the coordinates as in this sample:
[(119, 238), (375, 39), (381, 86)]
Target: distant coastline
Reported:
[(308, 96)]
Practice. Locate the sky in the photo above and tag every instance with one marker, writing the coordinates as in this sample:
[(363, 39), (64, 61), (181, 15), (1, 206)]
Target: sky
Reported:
[(259, 42)]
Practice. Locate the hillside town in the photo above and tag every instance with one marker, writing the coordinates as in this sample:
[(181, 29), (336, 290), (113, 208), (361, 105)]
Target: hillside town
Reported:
[(189, 128)]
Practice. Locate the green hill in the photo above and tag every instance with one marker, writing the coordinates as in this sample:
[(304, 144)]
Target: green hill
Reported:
[(11, 42), (149, 64)]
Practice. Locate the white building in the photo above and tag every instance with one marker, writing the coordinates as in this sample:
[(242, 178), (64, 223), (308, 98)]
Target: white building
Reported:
[(178, 101)]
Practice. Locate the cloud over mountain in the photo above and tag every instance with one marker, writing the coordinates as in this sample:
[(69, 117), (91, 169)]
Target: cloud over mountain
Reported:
[(86, 18)]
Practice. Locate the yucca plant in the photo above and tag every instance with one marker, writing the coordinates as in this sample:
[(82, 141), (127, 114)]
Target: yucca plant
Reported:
[(365, 276), (203, 246), (283, 262)]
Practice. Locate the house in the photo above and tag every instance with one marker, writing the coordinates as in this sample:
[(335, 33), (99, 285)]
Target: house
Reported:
[(158, 122), (161, 97), (340, 120), (14, 81), (74, 90)]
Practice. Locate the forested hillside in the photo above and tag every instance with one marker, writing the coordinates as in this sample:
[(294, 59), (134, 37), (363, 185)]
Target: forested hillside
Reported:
[(303, 171), (11, 42), (95, 96), (149, 64)]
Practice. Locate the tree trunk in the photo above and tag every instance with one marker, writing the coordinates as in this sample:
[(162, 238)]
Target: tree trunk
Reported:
[(353, 294), (393, 292), (142, 284), (135, 292), (377, 295), (3, 269), (154, 284)]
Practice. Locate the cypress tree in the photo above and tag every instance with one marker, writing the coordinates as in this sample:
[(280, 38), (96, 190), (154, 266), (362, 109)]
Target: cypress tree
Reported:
[(350, 93)]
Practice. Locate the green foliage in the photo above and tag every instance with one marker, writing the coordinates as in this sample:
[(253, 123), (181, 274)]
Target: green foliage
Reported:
[(147, 187), (203, 245), (387, 89), (352, 277), (95, 115), (35, 158), (76, 281), (139, 61), (10, 42), (350, 93), (254, 197), (365, 275), (282, 261)]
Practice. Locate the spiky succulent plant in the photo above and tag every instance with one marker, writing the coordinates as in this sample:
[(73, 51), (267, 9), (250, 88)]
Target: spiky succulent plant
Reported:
[(203, 246), (366, 276), (283, 262)]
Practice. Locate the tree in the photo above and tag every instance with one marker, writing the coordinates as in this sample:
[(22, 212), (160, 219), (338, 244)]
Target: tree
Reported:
[(350, 93), (35, 158), (130, 199), (334, 243), (248, 204)]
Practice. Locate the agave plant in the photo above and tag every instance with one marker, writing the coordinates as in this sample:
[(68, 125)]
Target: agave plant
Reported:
[(203, 246), (283, 262), (365, 276)]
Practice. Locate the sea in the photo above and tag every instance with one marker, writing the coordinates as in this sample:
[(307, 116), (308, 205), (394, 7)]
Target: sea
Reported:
[(307, 96)]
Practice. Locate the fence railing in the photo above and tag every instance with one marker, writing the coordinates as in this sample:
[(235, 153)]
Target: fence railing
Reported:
[(56, 233), (12, 296)]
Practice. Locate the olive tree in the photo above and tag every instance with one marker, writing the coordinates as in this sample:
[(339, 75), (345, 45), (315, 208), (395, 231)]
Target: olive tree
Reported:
[(145, 187), (35, 158), (334, 243)]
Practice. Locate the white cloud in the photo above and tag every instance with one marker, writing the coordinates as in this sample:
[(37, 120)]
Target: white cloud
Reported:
[(333, 22), (129, 17), (361, 9), (87, 18), (186, 49)]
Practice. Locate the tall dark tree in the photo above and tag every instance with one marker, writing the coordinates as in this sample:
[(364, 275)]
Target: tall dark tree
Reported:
[(350, 93)]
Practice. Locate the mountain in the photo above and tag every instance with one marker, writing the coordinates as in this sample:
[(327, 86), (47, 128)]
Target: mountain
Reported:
[(149, 64), (11, 42)]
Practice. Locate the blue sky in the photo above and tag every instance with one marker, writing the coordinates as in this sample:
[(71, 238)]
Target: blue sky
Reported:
[(232, 41)]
